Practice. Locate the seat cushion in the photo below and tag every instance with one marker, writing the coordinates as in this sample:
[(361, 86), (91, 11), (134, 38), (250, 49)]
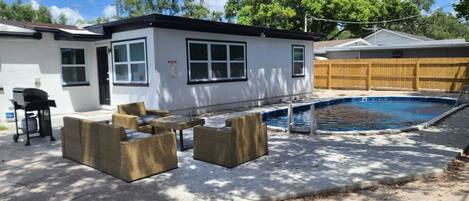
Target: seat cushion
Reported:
[(132, 135), (145, 119)]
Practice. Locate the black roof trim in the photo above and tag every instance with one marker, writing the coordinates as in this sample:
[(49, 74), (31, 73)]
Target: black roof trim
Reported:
[(189, 24), (77, 37), (36, 35)]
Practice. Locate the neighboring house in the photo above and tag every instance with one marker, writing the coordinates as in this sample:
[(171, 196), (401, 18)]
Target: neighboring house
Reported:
[(169, 62), (321, 47), (393, 44), (385, 37)]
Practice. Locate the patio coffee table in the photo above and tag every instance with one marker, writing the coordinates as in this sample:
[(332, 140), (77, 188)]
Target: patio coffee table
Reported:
[(176, 122)]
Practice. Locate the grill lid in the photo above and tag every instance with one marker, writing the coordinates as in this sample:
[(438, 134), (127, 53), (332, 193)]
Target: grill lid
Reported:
[(22, 95)]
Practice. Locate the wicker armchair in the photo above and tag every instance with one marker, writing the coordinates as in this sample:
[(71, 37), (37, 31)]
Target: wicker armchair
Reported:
[(107, 148), (134, 116), (243, 139)]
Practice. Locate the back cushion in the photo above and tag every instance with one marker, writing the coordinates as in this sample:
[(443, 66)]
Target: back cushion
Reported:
[(136, 109)]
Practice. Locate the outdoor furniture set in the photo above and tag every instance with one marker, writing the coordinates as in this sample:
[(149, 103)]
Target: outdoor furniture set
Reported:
[(141, 143)]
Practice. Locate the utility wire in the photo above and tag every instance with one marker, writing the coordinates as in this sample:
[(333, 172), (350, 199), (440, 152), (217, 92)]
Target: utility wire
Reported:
[(357, 22)]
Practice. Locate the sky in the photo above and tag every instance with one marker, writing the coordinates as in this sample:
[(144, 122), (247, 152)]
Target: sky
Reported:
[(90, 9)]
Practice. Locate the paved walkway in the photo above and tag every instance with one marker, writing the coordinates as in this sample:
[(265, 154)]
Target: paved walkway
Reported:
[(296, 164)]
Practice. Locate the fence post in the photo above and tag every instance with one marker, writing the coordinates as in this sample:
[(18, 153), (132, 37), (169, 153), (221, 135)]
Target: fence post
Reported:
[(329, 76), (368, 82), (417, 75)]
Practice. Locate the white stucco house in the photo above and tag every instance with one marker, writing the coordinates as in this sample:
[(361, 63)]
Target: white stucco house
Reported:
[(169, 62), (391, 44)]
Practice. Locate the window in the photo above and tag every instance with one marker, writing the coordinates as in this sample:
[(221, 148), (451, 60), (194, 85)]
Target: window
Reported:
[(298, 56), (73, 66), (129, 62), (211, 61)]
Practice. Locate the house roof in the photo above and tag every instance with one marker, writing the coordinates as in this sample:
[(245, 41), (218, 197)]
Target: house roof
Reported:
[(105, 30), (188, 24), (337, 43), (401, 47), (39, 26), (401, 34), (422, 38), (34, 30), (421, 42), (10, 28)]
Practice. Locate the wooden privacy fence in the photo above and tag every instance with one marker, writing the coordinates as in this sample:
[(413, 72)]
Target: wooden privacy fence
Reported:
[(444, 74)]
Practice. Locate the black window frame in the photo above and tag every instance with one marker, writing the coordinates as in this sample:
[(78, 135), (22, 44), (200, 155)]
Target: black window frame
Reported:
[(130, 83), (73, 65), (293, 61), (209, 42)]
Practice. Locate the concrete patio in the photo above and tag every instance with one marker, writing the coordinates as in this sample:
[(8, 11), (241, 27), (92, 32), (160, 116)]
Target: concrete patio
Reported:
[(296, 165)]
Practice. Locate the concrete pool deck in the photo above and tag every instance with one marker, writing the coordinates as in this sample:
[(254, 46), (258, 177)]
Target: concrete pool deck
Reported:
[(296, 165)]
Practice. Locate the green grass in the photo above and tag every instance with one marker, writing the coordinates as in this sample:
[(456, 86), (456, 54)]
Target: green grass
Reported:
[(2, 127)]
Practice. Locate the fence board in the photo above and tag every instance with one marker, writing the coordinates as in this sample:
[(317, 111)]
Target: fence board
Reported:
[(444, 74)]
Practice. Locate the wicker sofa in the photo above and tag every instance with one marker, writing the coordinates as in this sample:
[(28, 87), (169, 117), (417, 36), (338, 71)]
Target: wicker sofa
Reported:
[(243, 139), (136, 117), (107, 148)]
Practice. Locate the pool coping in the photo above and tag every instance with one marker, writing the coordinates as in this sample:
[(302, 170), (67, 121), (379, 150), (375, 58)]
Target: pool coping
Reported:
[(417, 127), (365, 184)]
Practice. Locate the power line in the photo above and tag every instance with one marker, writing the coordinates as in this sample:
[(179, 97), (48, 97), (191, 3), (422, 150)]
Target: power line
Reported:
[(358, 22)]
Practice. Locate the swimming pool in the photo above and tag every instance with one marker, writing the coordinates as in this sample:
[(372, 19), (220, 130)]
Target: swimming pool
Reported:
[(363, 113)]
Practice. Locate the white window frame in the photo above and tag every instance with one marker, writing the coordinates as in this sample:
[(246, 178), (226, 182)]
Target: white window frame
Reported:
[(294, 47), (129, 63), (209, 61), (62, 66)]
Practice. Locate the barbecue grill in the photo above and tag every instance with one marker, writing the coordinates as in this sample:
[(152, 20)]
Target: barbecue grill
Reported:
[(32, 100)]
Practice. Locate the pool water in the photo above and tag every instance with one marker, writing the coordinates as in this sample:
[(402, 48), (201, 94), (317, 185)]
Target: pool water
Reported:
[(364, 113)]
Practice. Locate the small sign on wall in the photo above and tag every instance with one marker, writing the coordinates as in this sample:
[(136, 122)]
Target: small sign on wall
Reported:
[(172, 68)]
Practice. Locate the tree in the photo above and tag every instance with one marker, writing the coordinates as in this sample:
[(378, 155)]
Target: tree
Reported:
[(168, 7), (193, 9), (273, 13), (397, 9), (43, 15), (462, 9), (3, 10), (441, 25), (131, 8), (62, 19), (291, 14), (216, 16), (423, 5), (187, 8), (19, 11)]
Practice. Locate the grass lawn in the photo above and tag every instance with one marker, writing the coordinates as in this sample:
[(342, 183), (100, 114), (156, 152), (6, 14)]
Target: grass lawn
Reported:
[(2, 127)]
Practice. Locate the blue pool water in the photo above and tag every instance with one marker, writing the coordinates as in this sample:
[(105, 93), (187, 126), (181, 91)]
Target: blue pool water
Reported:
[(373, 113)]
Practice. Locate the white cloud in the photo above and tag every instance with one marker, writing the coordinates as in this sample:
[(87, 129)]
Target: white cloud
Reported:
[(73, 16), (216, 5), (109, 11), (34, 4)]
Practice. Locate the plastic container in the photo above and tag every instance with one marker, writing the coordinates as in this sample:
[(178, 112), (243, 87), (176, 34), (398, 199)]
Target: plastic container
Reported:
[(10, 116), (32, 124)]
